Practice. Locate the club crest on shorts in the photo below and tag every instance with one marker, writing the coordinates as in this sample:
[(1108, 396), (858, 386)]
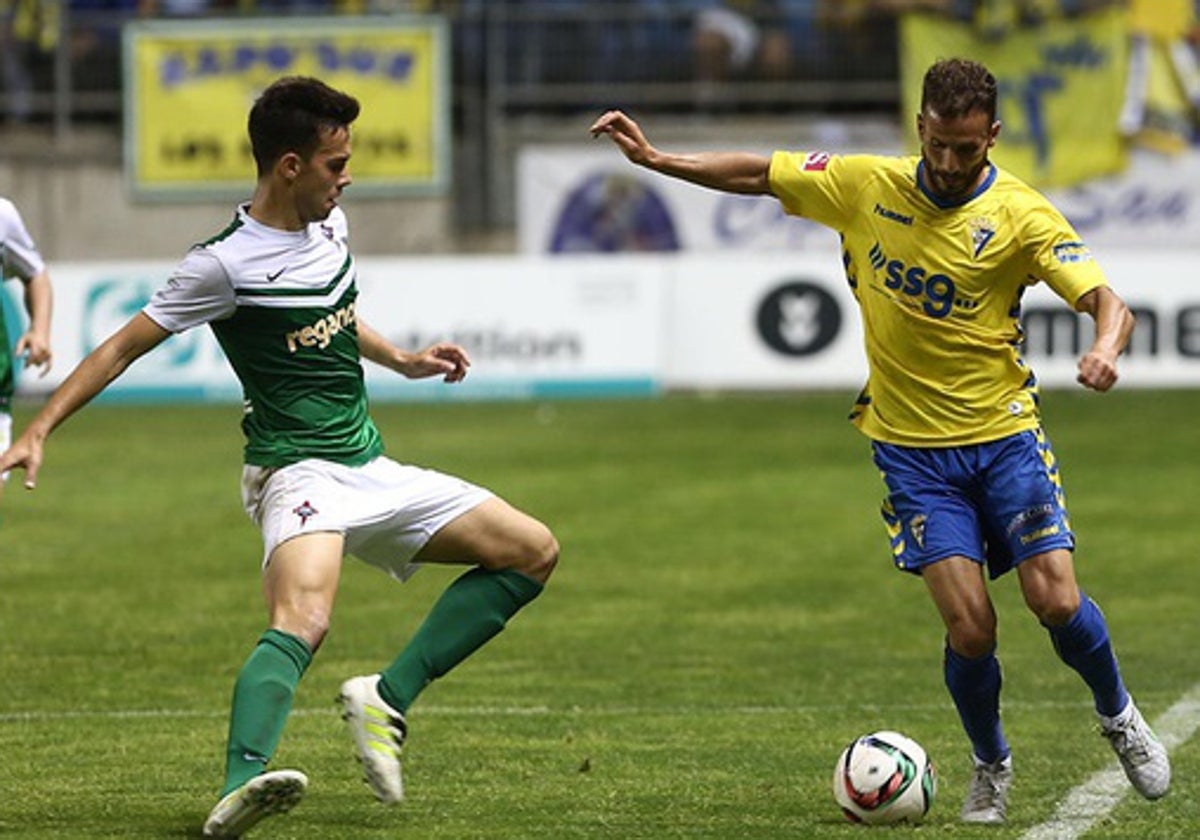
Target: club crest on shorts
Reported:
[(916, 527), (305, 511)]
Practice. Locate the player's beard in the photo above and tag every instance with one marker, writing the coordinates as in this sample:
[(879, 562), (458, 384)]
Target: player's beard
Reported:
[(953, 189)]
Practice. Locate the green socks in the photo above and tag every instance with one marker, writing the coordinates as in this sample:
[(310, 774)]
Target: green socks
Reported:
[(262, 698), (471, 610)]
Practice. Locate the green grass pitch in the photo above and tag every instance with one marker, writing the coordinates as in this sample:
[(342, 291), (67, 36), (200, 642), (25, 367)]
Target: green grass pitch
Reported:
[(724, 619)]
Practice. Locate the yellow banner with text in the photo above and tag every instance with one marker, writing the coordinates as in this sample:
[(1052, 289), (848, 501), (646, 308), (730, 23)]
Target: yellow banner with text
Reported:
[(190, 88)]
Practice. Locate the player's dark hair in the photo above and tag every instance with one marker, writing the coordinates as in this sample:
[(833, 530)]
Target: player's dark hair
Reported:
[(954, 87), (290, 115)]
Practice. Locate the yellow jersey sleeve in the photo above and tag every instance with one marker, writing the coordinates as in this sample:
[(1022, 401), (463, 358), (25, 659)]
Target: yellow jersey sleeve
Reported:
[(818, 185)]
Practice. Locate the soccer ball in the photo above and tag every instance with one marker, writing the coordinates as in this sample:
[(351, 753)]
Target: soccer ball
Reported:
[(884, 777)]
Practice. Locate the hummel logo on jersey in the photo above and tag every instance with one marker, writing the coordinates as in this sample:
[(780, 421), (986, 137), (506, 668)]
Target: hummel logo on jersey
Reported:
[(272, 276), (305, 511), (892, 215)]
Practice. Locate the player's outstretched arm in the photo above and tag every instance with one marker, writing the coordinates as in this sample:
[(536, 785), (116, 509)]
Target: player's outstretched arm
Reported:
[(443, 359), (90, 377), (734, 172), (1114, 326)]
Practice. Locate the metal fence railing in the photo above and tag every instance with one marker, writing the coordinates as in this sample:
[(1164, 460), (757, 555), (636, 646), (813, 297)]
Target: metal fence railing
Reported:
[(515, 64)]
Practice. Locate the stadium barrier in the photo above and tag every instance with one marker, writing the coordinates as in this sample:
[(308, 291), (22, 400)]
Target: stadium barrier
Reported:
[(575, 198), (549, 327)]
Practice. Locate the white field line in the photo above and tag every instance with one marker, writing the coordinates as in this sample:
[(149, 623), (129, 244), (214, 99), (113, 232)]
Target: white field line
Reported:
[(1092, 801)]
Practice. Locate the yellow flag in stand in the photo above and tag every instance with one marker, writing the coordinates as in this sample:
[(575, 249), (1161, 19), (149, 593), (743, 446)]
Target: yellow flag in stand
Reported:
[(1162, 20), (1060, 84), (1162, 91), (191, 85)]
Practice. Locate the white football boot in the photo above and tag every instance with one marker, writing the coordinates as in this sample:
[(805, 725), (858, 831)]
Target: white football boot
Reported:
[(379, 732), (1142, 755), (987, 797), (276, 792)]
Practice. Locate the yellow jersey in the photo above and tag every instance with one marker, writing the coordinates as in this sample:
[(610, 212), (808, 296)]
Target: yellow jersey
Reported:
[(939, 288)]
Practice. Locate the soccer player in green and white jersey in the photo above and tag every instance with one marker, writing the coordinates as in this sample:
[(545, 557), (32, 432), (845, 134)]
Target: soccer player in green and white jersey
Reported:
[(938, 250), (19, 257), (277, 287)]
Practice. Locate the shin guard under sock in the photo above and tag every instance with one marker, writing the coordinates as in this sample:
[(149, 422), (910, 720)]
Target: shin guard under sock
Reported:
[(262, 698), (472, 610)]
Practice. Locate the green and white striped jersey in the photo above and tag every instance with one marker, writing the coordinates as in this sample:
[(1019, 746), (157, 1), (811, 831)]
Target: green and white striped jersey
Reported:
[(282, 305)]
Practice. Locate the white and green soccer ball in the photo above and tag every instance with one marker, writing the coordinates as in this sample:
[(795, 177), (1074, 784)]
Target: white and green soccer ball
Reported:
[(884, 777)]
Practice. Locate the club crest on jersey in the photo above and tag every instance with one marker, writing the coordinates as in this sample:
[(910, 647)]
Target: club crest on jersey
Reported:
[(305, 511), (815, 162), (982, 231)]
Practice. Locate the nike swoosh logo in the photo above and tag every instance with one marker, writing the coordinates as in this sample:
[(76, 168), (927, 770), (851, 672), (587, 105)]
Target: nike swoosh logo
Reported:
[(273, 276)]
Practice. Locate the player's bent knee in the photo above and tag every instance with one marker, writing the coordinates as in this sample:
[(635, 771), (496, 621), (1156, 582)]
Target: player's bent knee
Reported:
[(973, 647), (541, 557), (971, 633), (1053, 606), (311, 625), (1056, 612), (971, 640)]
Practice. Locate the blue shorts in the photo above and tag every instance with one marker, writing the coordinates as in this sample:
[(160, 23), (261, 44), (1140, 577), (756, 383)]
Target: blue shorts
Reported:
[(997, 502)]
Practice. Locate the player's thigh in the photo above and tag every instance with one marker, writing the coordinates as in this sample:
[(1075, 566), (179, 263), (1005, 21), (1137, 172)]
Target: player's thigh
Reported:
[(495, 535), (956, 585), (1049, 587), (300, 583)]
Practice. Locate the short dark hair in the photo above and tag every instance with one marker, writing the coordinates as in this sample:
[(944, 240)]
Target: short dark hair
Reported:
[(954, 87), (290, 115)]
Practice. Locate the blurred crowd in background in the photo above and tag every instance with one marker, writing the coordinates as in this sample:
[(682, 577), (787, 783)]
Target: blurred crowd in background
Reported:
[(704, 46)]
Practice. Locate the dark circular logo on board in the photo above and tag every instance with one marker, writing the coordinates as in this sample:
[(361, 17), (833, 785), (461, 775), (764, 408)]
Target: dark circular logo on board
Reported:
[(799, 319)]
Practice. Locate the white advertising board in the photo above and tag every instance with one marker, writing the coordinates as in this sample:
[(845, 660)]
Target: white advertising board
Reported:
[(588, 199), (623, 326), (791, 323), (1154, 203), (532, 327), (91, 301), (762, 323), (1162, 291)]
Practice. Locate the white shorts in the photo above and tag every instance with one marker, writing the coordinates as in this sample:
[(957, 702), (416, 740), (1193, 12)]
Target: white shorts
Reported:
[(385, 510), (5, 437)]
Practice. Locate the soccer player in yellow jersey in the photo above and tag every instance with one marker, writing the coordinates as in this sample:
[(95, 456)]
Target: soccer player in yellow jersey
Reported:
[(938, 250)]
